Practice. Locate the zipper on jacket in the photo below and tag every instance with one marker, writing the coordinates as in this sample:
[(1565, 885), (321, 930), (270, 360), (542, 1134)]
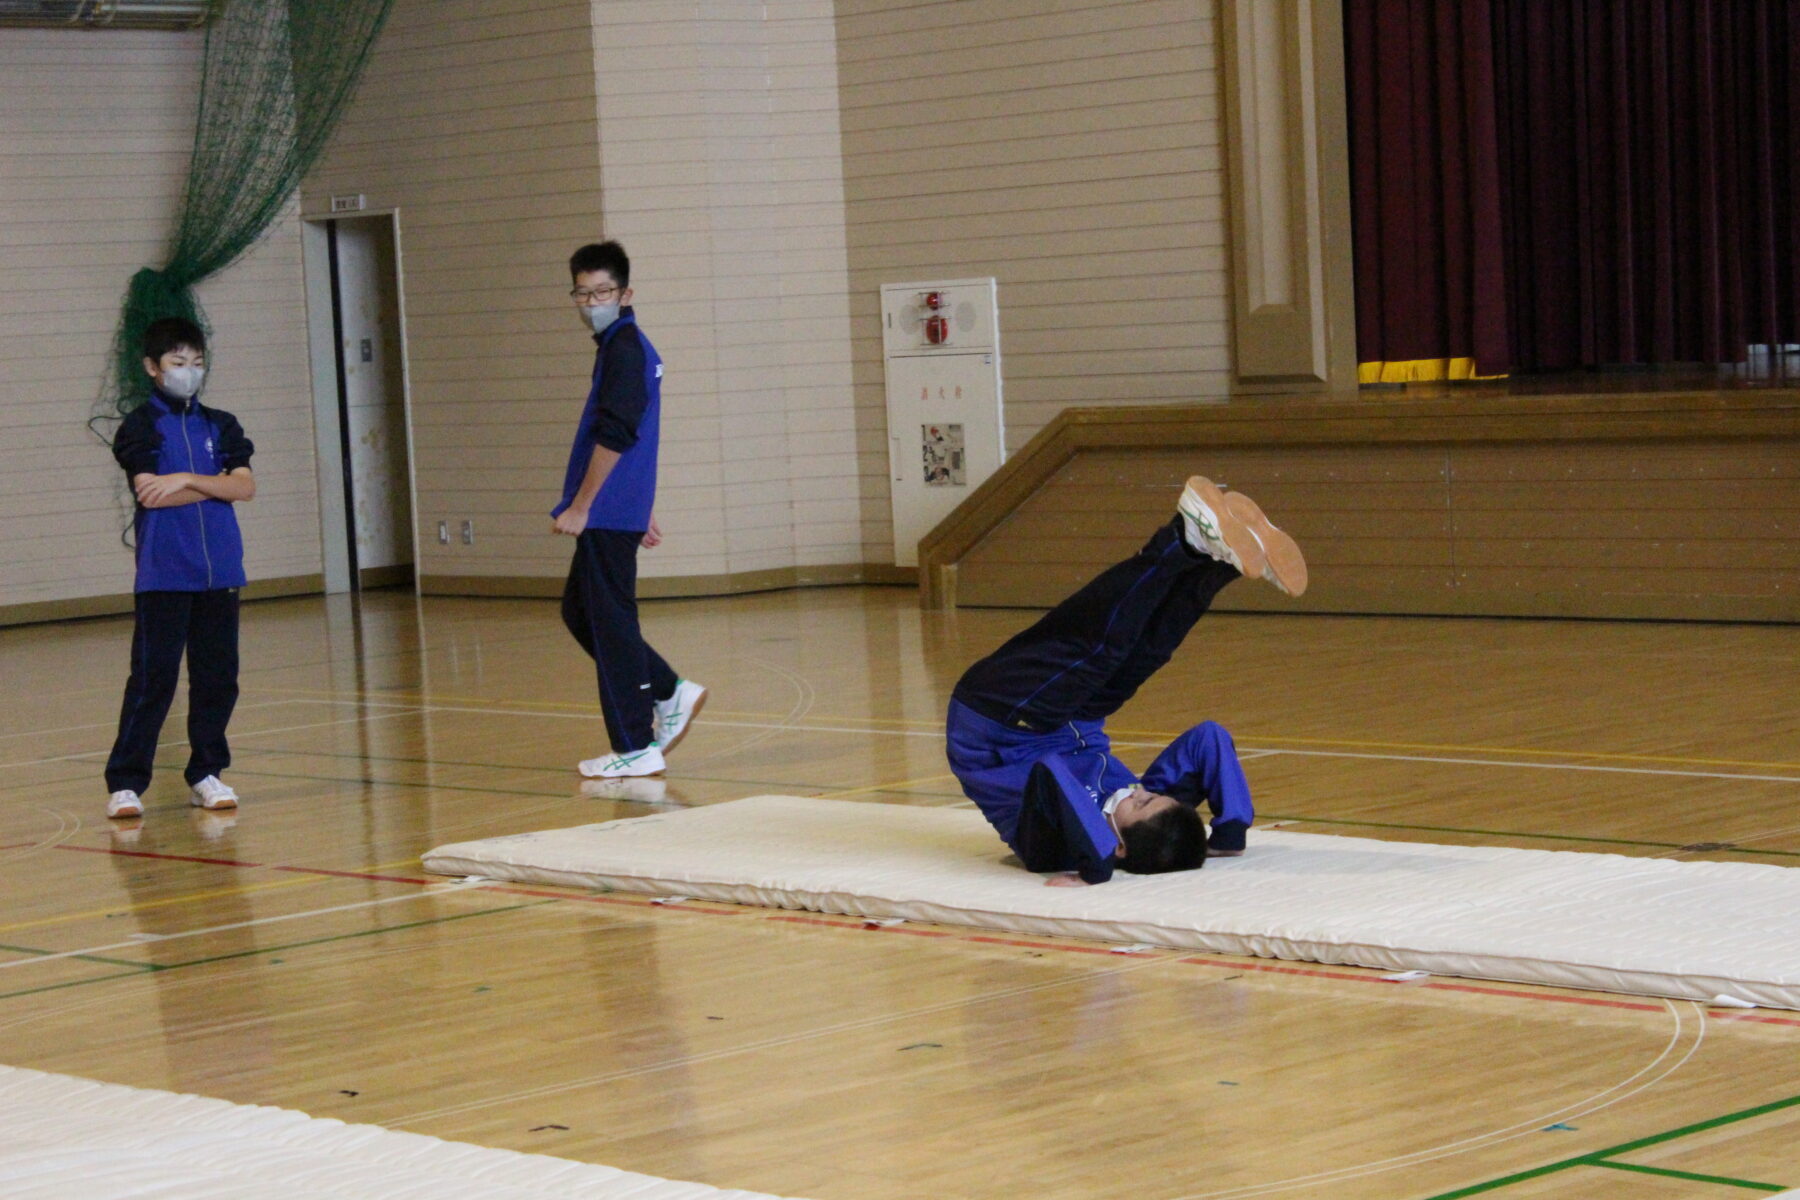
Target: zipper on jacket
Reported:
[(199, 505)]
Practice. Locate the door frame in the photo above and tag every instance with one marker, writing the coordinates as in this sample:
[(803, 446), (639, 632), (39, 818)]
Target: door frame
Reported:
[(322, 351)]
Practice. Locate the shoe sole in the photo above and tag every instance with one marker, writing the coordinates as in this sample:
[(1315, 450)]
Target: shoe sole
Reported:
[(1286, 566), (204, 806), (125, 814), (585, 774), (1232, 530), (699, 703)]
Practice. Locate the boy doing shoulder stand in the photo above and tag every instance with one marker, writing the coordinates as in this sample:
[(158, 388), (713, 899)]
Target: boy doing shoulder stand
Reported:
[(188, 464), (1026, 733)]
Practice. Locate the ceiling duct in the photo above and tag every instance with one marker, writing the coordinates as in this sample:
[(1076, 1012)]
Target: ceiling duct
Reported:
[(106, 14)]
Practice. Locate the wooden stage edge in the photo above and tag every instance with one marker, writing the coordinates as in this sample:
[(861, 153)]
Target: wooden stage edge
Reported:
[(1675, 504)]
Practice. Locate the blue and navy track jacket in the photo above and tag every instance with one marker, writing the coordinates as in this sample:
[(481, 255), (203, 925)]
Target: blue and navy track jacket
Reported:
[(623, 413), (194, 547), (1051, 817)]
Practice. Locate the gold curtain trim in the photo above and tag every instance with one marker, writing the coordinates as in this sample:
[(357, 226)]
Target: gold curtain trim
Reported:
[(1420, 370)]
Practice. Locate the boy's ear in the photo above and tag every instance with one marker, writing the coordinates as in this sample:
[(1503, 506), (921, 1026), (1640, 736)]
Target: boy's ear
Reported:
[(150, 366)]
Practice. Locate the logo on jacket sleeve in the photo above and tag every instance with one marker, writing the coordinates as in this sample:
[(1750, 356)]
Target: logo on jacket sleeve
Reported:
[(659, 370)]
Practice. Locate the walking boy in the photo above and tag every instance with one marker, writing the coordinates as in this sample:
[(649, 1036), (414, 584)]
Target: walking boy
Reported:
[(188, 464), (1026, 730), (608, 492)]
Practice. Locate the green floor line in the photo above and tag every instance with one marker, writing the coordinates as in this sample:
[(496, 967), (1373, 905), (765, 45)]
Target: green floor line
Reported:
[(96, 958), (1594, 1158), (1697, 1178), (144, 969), (1514, 833), (344, 937), (57, 987)]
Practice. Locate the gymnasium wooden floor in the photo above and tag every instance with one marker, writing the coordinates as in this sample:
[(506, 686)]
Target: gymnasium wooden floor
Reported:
[(295, 955)]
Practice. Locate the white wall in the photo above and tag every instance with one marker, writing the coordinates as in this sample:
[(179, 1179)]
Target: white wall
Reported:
[(95, 132), (721, 174)]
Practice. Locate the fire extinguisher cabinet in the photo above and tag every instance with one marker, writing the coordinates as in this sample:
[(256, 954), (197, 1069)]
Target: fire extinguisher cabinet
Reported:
[(946, 432)]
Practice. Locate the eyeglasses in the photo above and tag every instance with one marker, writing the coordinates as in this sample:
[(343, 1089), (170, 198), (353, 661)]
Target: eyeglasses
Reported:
[(595, 295)]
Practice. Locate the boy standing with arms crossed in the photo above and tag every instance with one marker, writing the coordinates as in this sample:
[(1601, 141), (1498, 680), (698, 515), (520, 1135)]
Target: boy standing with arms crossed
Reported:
[(188, 464), (608, 492)]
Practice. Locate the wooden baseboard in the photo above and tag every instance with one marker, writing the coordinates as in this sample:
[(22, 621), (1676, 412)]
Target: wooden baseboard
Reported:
[(81, 607), (680, 586), (382, 577)]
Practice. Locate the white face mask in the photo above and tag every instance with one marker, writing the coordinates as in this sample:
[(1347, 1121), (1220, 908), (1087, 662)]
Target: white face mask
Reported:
[(182, 382), (599, 316)]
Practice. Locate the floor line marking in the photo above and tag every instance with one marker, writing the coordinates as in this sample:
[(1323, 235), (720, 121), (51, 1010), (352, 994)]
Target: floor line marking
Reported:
[(173, 716), (1671, 1173), (153, 969), (933, 725), (189, 897), (87, 951), (1533, 766), (1613, 1151), (90, 754), (938, 735)]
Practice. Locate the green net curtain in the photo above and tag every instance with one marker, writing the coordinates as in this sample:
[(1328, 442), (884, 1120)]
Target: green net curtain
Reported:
[(276, 76)]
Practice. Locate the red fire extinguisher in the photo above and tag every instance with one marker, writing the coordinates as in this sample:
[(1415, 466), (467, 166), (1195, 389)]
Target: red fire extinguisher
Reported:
[(937, 325)]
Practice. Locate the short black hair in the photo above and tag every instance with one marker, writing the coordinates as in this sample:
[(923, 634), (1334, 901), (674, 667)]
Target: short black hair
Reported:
[(1172, 840), (172, 333), (602, 256)]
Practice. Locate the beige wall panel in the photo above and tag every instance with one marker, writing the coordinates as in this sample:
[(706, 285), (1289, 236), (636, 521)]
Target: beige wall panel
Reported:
[(722, 166), (477, 122), (95, 133), (1071, 150), (1701, 529)]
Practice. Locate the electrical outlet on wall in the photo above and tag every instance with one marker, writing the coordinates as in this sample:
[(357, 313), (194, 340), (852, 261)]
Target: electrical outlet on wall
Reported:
[(443, 533), (468, 533)]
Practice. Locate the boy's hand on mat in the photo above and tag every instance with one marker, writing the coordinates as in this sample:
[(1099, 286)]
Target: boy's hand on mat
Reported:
[(153, 490), (1065, 879), (653, 535), (572, 521)]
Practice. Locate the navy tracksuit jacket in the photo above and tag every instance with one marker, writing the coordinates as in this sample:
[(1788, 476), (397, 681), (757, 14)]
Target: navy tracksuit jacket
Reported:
[(1043, 698)]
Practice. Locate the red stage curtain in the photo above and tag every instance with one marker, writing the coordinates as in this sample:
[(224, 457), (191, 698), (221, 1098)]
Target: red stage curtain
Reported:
[(1424, 160), (1645, 180), (1648, 150)]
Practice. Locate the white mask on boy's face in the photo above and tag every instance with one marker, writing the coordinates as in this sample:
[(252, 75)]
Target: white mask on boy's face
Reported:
[(182, 382), (599, 316)]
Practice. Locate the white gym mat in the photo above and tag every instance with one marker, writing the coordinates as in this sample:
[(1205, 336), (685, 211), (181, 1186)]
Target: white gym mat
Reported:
[(1653, 927), (63, 1138)]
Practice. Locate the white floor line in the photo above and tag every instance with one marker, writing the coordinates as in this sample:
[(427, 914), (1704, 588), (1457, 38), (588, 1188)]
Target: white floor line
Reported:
[(242, 733), (114, 724), (1539, 766), (1245, 753), (157, 939)]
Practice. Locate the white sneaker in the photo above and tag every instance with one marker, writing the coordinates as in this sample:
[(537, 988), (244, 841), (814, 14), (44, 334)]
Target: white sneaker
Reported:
[(210, 793), (1211, 528), (632, 763), (124, 803), (673, 714), (639, 791), (1283, 564)]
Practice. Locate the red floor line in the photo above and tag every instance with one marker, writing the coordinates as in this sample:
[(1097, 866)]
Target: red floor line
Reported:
[(861, 924), (216, 862)]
